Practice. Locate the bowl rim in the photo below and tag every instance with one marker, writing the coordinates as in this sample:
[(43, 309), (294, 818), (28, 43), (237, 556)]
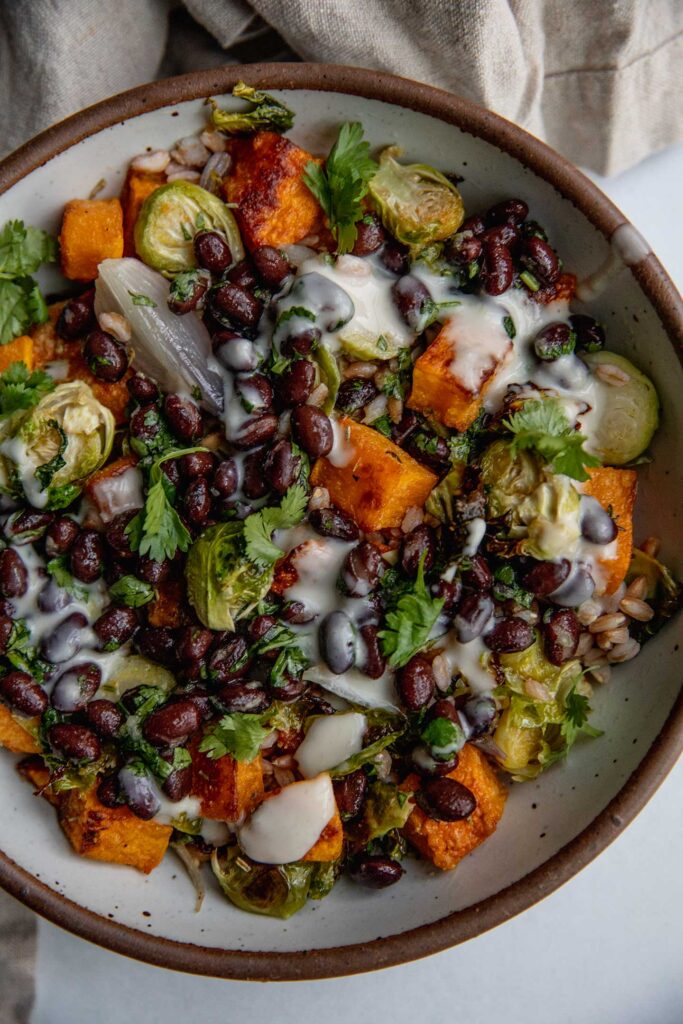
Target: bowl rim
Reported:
[(464, 924)]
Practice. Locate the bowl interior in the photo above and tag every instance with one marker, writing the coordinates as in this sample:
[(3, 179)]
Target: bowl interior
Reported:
[(542, 816)]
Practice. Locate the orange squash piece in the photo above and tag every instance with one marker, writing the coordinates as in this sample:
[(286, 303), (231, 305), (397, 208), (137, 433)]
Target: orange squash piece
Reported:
[(438, 391), (378, 484), (167, 607), (13, 735), (274, 206), (92, 231), (616, 490), (445, 843), (330, 844), (35, 771), (226, 788), (18, 350), (112, 834), (137, 186), (564, 288)]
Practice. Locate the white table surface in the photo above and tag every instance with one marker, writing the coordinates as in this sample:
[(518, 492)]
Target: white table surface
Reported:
[(607, 948)]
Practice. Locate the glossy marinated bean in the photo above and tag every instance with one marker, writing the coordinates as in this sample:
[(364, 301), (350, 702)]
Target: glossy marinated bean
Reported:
[(243, 274), (480, 712), (116, 536), (254, 483), (65, 640), (212, 251), (74, 742), (194, 643), (178, 785), (539, 258), (184, 417), (510, 211), (374, 662), (192, 294), (23, 693), (337, 641), (245, 698), (350, 792), (416, 683), (6, 629), (260, 627), (561, 636), (478, 576), (510, 635), (497, 270), (296, 383), (27, 526), (577, 588), (87, 556), (451, 592), (142, 389), (115, 626), (108, 791), (375, 871), (52, 598), (106, 357), (77, 317), (256, 431), (590, 335), (354, 393), (411, 297), (473, 614), (332, 522), (171, 723), (60, 535), (545, 577), (144, 427), (281, 467), (555, 340), (444, 799), (370, 236), (158, 643), (289, 690), (363, 569), (255, 391), (196, 465), (300, 342), (104, 717), (76, 687), (475, 224), (13, 574), (297, 613), (138, 793), (313, 430), (395, 257), (240, 306), (225, 478), (271, 266), (230, 661), (419, 544), (597, 525), (197, 502), (507, 235), (152, 571)]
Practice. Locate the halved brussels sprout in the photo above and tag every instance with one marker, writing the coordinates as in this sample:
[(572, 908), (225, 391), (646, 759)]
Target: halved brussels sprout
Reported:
[(169, 219), (56, 446), (417, 203), (278, 890), (508, 477), (366, 346), (626, 416), (222, 585), (133, 670)]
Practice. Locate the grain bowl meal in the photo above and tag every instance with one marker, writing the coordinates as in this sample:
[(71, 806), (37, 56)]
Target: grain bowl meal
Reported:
[(317, 512)]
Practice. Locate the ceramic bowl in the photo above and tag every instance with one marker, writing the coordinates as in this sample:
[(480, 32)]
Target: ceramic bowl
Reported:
[(553, 826)]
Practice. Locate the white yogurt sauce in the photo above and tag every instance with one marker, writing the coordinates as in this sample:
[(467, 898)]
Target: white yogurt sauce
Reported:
[(284, 827), (470, 661), (329, 741)]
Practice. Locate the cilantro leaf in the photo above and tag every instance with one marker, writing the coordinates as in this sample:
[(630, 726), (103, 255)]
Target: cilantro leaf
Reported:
[(142, 300), (259, 527), (410, 622), (239, 735), (132, 591), (443, 737), (157, 530), (23, 250), (575, 723), (21, 305), (342, 184), (542, 424), (21, 389), (57, 568)]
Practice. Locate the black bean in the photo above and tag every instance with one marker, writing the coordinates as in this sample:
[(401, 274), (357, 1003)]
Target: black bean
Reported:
[(116, 536), (510, 211), (243, 274), (507, 235), (363, 569), (313, 430), (561, 636), (178, 785), (108, 791), (22, 693), (245, 698), (350, 793), (144, 427), (28, 525), (497, 269), (152, 571), (444, 708), (281, 467), (370, 235), (13, 574), (76, 687), (475, 224), (473, 614), (115, 626), (87, 556), (545, 577), (300, 342), (376, 871), (539, 258), (65, 640), (185, 300), (260, 627), (138, 793), (52, 598), (74, 742), (184, 417), (445, 799), (60, 535), (171, 470), (197, 502), (411, 297), (104, 717), (77, 317), (194, 643), (172, 722), (374, 662), (271, 266), (296, 384), (212, 251), (240, 306), (577, 588), (436, 454), (416, 684), (464, 248), (555, 340), (254, 483), (257, 430), (337, 641), (158, 643), (477, 576), (297, 613), (255, 391), (332, 522), (419, 544), (106, 357), (197, 464), (354, 393), (288, 690), (480, 712), (597, 525), (590, 335), (395, 256), (230, 661), (197, 694), (142, 389), (225, 478), (451, 592), (509, 635)]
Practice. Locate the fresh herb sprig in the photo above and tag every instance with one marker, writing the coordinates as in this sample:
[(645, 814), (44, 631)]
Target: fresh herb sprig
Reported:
[(239, 735), (157, 530), (342, 184), (410, 622), (541, 424), (260, 526), (22, 251), (22, 389)]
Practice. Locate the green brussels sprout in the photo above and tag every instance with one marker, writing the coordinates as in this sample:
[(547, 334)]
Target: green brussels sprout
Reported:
[(275, 890), (440, 501), (56, 446), (267, 113), (626, 417), (386, 808), (222, 584), (169, 219), (361, 344), (417, 204), (508, 477), (134, 670)]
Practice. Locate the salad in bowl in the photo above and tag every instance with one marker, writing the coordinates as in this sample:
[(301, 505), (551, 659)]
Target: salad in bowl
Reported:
[(317, 512)]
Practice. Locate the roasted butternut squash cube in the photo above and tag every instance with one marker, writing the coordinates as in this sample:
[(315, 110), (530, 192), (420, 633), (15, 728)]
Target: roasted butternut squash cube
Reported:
[(92, 231), (378, 483), (15, 734), (16, 351), (47, 346), (274, 206), (564, 288), (167, 607), (452, 376), (616, 490), (227, 789), (137, 186), (112, 834), (330, 844), (445, 843)]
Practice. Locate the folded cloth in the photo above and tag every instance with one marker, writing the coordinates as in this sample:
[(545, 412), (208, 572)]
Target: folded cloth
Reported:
[(597, 81), (17, 958)]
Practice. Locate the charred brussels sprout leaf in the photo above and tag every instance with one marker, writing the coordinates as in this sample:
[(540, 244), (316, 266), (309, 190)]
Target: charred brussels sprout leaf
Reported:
[(266, 114), (275, 890), (417, 203)]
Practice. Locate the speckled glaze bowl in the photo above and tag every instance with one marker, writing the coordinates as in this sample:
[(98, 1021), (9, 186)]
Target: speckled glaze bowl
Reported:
[(553, 826)]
